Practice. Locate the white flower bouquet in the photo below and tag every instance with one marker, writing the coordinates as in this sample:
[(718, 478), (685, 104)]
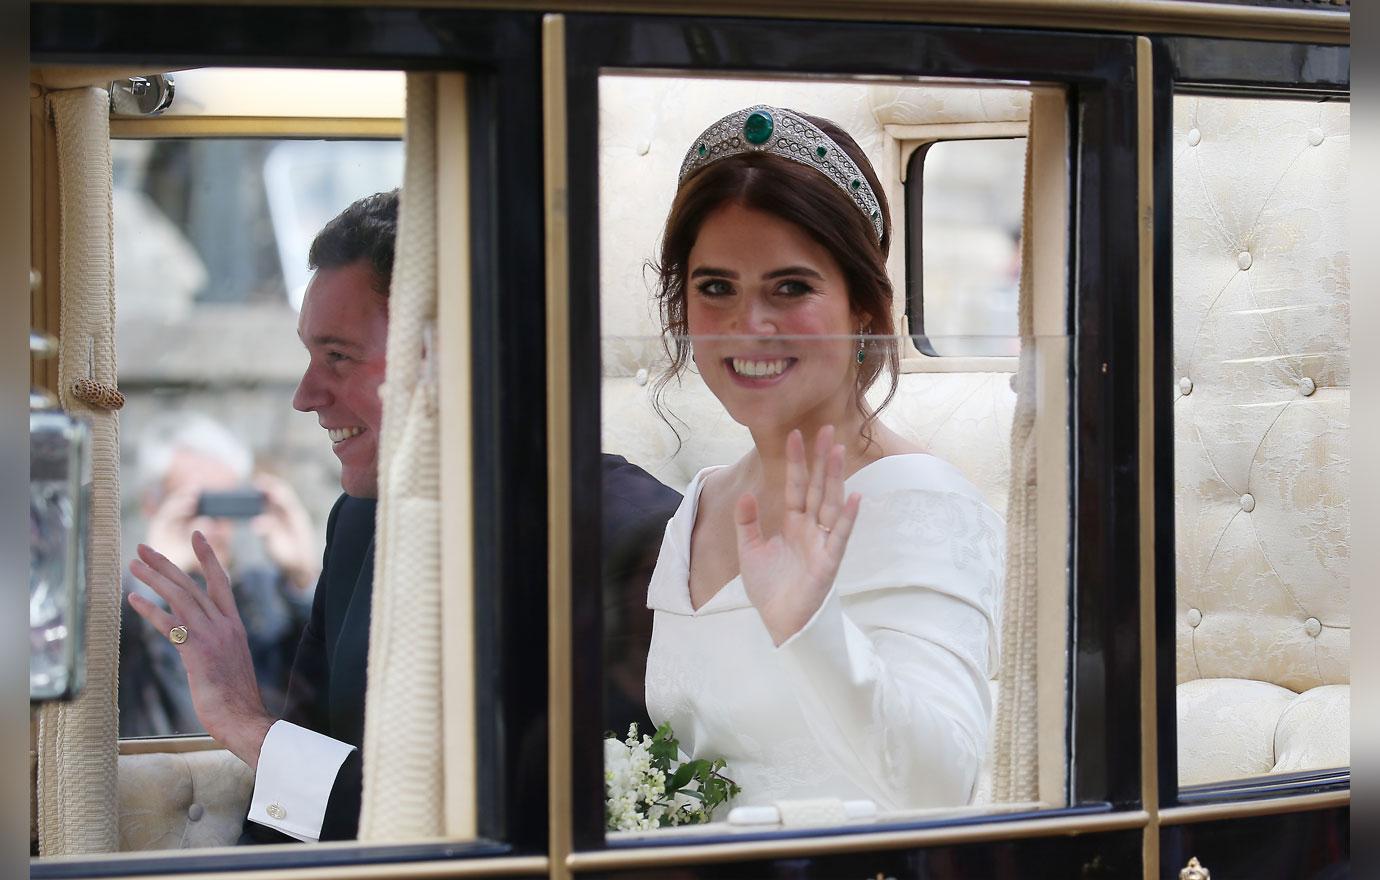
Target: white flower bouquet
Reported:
[(647, 786)]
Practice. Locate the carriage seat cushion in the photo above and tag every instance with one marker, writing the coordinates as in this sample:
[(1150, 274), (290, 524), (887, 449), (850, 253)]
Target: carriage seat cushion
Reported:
[(1235, 728), (182, 800)]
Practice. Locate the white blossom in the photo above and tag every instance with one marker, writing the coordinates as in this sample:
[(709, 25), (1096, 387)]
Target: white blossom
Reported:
[(635, 797)]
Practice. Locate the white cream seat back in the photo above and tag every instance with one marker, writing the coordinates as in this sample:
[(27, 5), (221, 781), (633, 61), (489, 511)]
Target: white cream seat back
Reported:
[(1262, 436), (182, 800)]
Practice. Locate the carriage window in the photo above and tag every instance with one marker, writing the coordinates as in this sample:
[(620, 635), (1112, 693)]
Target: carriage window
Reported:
[(211, 242), (1262, 442), (963, 236), (764, 648), (214, 222)]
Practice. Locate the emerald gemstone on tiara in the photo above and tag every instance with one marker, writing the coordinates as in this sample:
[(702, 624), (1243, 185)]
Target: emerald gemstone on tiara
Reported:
[(758, 127), (782, 132)]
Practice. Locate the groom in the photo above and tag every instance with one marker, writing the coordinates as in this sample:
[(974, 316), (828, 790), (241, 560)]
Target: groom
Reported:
[(308, 763)]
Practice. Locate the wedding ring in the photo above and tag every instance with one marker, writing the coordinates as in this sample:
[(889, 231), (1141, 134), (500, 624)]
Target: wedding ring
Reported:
[(177, 635), (825, 529)]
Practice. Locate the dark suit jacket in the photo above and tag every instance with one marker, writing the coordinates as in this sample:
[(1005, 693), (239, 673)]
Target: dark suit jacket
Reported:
[(636, 508), (326, 686), (327, 683)]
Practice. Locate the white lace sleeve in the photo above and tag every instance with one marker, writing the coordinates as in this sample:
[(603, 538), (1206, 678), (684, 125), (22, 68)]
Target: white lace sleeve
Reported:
[(891, 672)]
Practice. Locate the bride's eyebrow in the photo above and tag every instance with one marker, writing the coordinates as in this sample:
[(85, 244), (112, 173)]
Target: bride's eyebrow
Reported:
[(794, 270), (714, 271)]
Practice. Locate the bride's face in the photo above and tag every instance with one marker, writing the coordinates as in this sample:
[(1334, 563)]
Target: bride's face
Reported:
[(770, 321)]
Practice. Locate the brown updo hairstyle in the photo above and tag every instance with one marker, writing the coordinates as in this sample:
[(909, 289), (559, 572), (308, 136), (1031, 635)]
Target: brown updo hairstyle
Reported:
[(803, 196)]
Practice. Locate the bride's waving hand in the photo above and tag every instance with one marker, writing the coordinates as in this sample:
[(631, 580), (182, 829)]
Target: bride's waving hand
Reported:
[(788, 575)]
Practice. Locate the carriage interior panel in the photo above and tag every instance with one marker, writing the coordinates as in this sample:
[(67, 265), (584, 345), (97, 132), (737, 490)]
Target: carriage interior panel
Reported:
[(1262, 442)]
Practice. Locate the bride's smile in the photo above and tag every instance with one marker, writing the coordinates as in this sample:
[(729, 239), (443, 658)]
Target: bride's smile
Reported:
[(769, 316)]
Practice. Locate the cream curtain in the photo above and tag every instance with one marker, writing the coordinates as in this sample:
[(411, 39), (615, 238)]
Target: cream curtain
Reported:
[(404, 790), (1016, 763), (77, 741)]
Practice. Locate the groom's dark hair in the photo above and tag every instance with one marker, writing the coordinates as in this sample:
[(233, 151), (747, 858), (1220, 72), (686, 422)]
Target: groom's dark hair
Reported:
[(366, 230)]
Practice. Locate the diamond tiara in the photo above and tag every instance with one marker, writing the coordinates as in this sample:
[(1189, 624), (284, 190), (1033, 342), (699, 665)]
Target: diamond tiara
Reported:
[(764, 129)]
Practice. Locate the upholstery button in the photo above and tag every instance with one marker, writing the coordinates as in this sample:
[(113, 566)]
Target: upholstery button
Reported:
[(642, 376), (1194, 137), (1307, 387), (1315, 136), (644, 147), (1243, 260), (1195, 617), (276, 811), (195, 812), (1248, 502), (1185, 386), (1312, 626)]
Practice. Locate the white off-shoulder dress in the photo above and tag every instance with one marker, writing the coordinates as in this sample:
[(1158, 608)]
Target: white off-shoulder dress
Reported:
[(883, 694)]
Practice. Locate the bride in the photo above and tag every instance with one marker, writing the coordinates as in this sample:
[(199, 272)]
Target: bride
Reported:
[(824, 608)]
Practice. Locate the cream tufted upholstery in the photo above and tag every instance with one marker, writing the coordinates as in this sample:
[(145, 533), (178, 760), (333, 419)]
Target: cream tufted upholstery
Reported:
[(182, 800), (1262, 440)]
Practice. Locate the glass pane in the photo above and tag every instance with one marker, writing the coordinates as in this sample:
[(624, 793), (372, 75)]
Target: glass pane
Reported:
[(968, 229), (59, 483), (211, 241), (731, 315), (1262, 436)]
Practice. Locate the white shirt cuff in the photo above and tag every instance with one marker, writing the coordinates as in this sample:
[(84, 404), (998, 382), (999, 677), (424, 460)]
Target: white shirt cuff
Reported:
[(297, 770)]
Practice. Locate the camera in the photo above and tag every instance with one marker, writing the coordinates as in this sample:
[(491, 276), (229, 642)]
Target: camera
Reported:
[(234, 504)]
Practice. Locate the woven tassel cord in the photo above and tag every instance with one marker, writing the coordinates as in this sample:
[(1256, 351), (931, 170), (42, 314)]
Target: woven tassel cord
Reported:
[(1016, 746), (403, 796), (77, 748)]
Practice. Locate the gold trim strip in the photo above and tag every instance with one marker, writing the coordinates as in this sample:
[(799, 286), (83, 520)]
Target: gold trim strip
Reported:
[(1145, 380), (453, 335), (1047, 236), (794, 847), (1183, 17), (256, 126), (1247, 809), (516, 866), (559, 755)]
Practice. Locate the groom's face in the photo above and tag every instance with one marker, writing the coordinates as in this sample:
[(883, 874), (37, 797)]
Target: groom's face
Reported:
[(344, 325)]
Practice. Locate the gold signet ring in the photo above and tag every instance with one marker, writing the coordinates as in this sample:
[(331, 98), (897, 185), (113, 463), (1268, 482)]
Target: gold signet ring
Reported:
[(177, 635)]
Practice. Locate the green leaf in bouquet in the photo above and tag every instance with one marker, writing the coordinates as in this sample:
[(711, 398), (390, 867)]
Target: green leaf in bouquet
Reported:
[(664, 748), (684, 773)]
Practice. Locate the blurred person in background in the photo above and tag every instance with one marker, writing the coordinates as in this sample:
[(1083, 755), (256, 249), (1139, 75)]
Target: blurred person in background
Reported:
[(181, 458)]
